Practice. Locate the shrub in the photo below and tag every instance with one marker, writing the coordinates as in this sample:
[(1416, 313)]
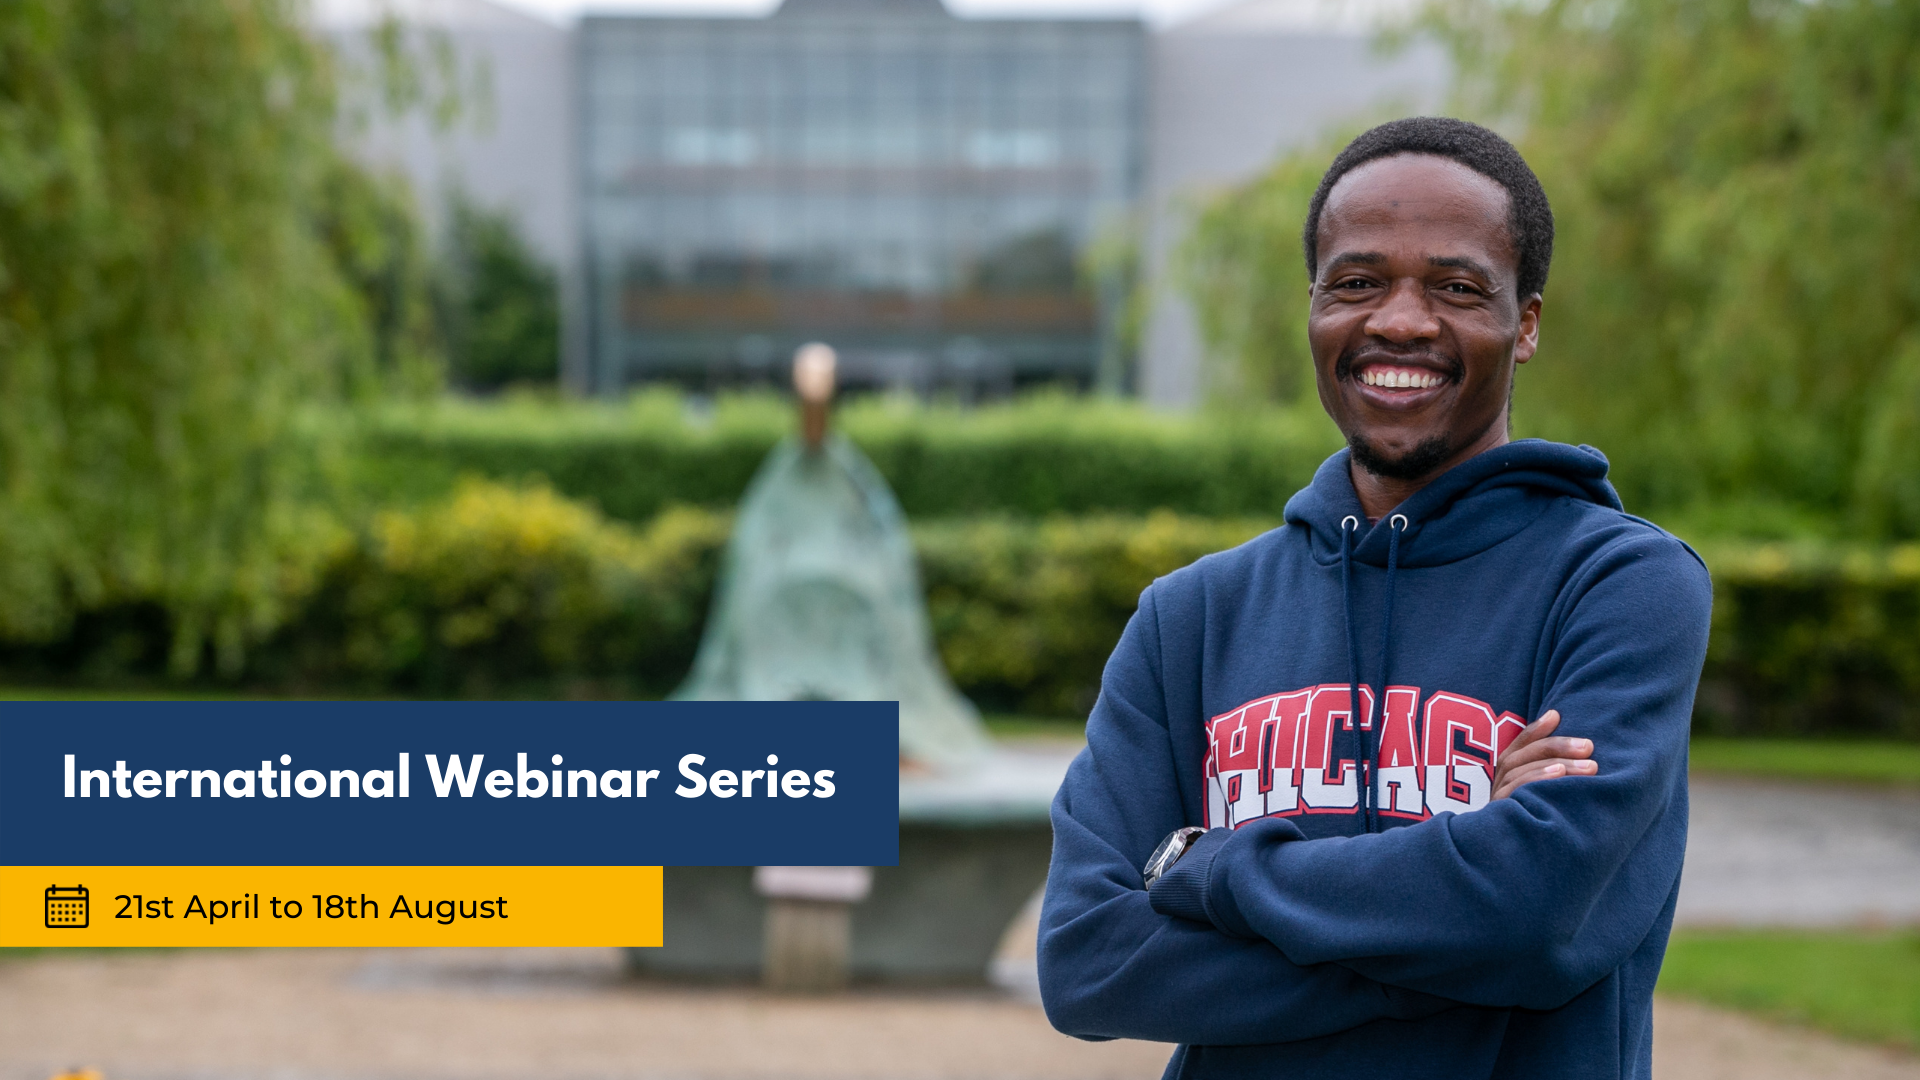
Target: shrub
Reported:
[(504, 591), (519, 591), (1808, 640), (501, 592), (1025, 614), (1036, 457), (1813, 640)]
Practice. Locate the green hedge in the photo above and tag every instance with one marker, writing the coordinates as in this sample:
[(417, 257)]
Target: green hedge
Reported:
[(1806, 640), (1810, 639), (505, 591), (1035, 457), (501, 592), (1025, 614)]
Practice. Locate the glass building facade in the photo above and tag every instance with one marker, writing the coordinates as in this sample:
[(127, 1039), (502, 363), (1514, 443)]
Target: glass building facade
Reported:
[(915, 189)]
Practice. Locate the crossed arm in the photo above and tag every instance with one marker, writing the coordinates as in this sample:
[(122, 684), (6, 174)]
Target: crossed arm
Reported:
[(1524, 903), (1537, 754), (1112, 967)]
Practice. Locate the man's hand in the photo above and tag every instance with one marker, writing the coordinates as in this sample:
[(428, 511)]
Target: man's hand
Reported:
[(1535, 754)]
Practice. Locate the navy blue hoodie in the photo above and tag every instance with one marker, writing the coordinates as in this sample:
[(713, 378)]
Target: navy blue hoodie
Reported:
[(1332, 926)]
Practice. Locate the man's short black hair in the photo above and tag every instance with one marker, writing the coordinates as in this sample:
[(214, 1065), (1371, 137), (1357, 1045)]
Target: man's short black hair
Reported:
[(1529, 218)]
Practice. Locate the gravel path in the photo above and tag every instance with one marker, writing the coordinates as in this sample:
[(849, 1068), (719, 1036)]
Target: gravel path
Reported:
[(567, 1015)]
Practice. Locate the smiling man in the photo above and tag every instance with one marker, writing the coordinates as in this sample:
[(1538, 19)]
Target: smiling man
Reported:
[(1330, 821)]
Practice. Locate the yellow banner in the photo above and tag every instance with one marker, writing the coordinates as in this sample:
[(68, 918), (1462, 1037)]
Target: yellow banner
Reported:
[(187, 906)]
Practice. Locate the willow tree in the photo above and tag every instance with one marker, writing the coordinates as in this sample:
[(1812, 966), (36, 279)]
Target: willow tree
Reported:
[(1734, 308), (168, 297), (1243, 265)]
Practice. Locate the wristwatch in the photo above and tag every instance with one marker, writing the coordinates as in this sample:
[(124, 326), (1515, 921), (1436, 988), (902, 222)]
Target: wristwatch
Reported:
[(1169, 852)]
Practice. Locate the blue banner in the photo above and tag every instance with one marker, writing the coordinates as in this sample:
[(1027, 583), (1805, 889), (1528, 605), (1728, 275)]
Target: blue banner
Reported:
[(449, 783)]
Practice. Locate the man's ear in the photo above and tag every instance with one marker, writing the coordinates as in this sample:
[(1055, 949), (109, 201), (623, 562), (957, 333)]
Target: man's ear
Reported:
[(1529, 340)]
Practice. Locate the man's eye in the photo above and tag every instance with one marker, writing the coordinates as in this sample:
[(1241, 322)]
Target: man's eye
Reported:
[(1353, 283), (1461, 288)]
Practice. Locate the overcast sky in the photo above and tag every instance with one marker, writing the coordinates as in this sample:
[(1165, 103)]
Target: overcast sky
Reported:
[(1268, 15), (1155, 11)]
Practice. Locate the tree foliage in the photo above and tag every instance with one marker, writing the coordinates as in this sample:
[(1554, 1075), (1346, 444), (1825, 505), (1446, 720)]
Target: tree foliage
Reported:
[(1250, 283), (376, 243), (1734, 310), (171, 289), (500, 305)]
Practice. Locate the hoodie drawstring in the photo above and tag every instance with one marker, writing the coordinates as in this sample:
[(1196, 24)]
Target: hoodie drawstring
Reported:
[(1349, 528), (1369, 759)]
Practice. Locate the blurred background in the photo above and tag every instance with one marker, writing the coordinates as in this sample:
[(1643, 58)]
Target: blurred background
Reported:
[(425, 348)]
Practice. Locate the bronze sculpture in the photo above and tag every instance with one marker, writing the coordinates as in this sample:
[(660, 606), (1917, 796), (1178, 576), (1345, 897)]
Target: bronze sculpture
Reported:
[(819, 595)]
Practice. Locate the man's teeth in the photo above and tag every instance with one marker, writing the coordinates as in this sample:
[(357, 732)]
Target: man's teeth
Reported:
[(1399, 378)]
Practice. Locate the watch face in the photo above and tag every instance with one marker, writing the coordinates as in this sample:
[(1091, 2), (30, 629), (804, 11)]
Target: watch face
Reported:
[(1157, 862), (1168, 853)]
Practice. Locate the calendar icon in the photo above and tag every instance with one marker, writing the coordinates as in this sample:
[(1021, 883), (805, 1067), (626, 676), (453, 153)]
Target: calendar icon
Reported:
[(66, 908)]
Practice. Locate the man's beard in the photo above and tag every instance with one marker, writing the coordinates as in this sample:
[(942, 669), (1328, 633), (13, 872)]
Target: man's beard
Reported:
[(1428, 455), (1418, 462)]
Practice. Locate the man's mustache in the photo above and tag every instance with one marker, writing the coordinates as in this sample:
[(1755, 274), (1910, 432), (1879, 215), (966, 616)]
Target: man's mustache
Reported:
[(1455, 370)]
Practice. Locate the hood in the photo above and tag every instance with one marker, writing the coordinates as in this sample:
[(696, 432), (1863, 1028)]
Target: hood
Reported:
[(1466, 510)]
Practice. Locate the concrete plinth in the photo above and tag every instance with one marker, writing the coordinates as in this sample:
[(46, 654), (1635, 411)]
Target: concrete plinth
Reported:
[(973, 848), (806, 945)]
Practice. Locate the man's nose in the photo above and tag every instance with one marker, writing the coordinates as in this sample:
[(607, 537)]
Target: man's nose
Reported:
[(1404, 315)]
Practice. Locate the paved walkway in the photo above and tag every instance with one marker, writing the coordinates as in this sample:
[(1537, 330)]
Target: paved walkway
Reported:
[(1777, 854), (1759, 853)]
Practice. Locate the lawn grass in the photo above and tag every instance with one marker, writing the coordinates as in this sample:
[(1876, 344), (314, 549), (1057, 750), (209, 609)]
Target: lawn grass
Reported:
[(1846, 760), (1005, 726), (1860, 984)]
